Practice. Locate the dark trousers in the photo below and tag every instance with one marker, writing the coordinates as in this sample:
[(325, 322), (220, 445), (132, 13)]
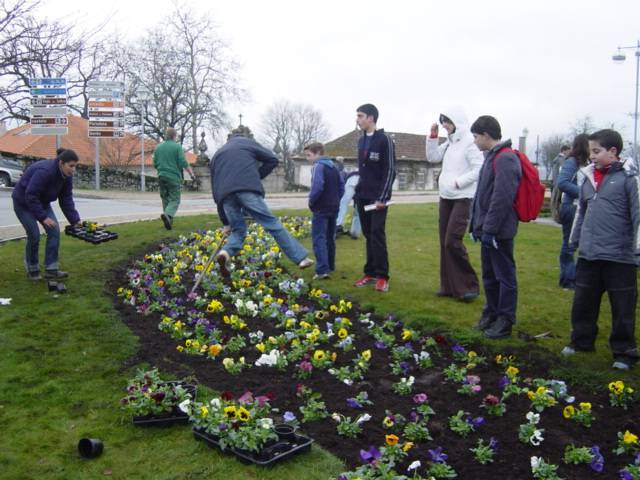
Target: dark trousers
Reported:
[(499, 280), (323, 238), (567, 263), (457, 276), (373, 228), (593, 278)]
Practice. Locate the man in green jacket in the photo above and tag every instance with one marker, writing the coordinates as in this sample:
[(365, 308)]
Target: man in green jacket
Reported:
[(169, 161)]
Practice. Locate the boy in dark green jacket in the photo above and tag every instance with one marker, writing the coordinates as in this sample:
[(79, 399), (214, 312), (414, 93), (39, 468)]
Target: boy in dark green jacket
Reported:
[(169, 161)]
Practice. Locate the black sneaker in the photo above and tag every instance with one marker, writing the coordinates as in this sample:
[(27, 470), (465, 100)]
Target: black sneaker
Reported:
[(34, 276), (166, 219), (500, 329), (485, 322), (55, 274)]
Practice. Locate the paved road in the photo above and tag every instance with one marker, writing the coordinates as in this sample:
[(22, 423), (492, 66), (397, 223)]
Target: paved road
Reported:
[(121, 207)]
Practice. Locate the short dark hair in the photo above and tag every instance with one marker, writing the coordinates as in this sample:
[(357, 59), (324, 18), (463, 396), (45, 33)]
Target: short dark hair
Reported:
[(370, 110), (564, 148), (315, 147), (489, 125), (608, 139), (67, 155)]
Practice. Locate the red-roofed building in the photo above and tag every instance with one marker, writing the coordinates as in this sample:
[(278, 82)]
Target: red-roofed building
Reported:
[(121, 153)]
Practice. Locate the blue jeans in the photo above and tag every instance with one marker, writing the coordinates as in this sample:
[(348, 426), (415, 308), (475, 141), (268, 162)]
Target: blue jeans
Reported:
[(567, 263), (345, 201), (30, 225), (499, 280), (323, 237), (251, 203)]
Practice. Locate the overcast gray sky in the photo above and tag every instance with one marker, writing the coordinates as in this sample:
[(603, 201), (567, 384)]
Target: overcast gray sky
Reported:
[(535, 64)]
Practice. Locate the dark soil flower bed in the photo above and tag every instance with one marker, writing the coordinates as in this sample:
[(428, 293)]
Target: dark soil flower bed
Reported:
[(512, 458)]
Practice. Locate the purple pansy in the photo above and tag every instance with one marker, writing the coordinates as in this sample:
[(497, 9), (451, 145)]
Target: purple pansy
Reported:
[(436, 455), (370, 455)]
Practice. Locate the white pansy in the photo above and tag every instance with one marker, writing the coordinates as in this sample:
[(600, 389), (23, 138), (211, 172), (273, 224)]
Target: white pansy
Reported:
[(537, 438), (184, 405), (363, 418), (216, 404), (535, 463), (533, 417), (269, 359), (414, 466)]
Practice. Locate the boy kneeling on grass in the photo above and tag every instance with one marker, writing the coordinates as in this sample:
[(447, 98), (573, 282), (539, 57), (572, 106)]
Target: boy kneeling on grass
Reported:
[(327, 188), (605, 230)]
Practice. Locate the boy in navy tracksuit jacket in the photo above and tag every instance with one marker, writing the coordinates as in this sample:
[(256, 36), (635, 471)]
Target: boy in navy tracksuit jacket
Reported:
[(376, 166), (327, 188), (606, 230)]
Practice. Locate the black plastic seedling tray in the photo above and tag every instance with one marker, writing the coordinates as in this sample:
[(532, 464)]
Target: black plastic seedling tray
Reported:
[(274, 452), (98, 235), (175, 417)]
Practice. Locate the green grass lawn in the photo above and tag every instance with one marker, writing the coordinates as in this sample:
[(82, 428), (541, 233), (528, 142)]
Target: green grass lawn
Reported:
[(64, 361)]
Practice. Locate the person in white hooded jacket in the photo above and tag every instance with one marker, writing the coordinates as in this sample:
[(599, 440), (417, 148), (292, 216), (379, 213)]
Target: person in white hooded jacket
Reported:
[(461, 162)]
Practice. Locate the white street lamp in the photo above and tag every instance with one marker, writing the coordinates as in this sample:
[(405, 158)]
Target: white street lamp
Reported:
[(143, 95), (620, 57)]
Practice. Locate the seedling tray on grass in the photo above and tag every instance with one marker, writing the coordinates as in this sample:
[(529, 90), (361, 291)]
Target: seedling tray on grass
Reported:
[(274, 452), (90, 232), (175, 417)]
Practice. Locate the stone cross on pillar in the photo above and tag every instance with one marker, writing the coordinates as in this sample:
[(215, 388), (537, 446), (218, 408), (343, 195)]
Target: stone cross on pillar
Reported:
[(240, 119)]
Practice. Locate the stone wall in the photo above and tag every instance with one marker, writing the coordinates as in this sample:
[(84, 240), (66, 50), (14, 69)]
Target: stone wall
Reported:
[(116, 179)]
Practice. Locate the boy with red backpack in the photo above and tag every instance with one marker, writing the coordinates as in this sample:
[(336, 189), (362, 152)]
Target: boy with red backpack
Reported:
[(494, 221)]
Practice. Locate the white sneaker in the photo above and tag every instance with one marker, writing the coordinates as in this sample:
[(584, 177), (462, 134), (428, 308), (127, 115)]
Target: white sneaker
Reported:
[(320, 276), (619, 365), (306, 263), (568, 351), (223, 260)]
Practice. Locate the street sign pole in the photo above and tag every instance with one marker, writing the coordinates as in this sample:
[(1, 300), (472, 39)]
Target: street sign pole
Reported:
[(142, 182), (58, 142), (98, 163)]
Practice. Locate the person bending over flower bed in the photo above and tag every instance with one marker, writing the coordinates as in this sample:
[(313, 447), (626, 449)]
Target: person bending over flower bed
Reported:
[(237, 169)]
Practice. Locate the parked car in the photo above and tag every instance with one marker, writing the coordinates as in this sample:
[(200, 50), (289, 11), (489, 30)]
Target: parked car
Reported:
[(10, 172)]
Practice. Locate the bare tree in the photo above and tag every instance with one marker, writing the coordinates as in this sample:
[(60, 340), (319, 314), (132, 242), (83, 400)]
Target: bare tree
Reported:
[(550, 149), (211, 75), (31, 47), (187, 69), (288, 127), (582, 125)]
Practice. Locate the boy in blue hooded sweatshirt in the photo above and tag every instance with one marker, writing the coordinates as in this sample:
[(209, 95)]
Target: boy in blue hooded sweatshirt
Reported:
[(327, 188)]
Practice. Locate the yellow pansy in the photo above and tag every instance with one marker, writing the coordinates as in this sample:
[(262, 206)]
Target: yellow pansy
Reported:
[(629, 438), (407, 446), (512, 371), (585, 406), (568, 411), (366, 355), (261, 347), (243, 414), (342, 333), (204, 411), (319, 355), (230, 411)]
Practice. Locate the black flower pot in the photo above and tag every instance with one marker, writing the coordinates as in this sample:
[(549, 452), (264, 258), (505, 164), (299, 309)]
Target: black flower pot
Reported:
[(285, 432), (90, 448)]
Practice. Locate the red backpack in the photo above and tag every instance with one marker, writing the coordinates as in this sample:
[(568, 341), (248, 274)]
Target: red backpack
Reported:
[(530, 194)]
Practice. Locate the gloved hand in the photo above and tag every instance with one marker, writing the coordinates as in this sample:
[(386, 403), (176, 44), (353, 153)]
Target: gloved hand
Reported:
[(489, 241)]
